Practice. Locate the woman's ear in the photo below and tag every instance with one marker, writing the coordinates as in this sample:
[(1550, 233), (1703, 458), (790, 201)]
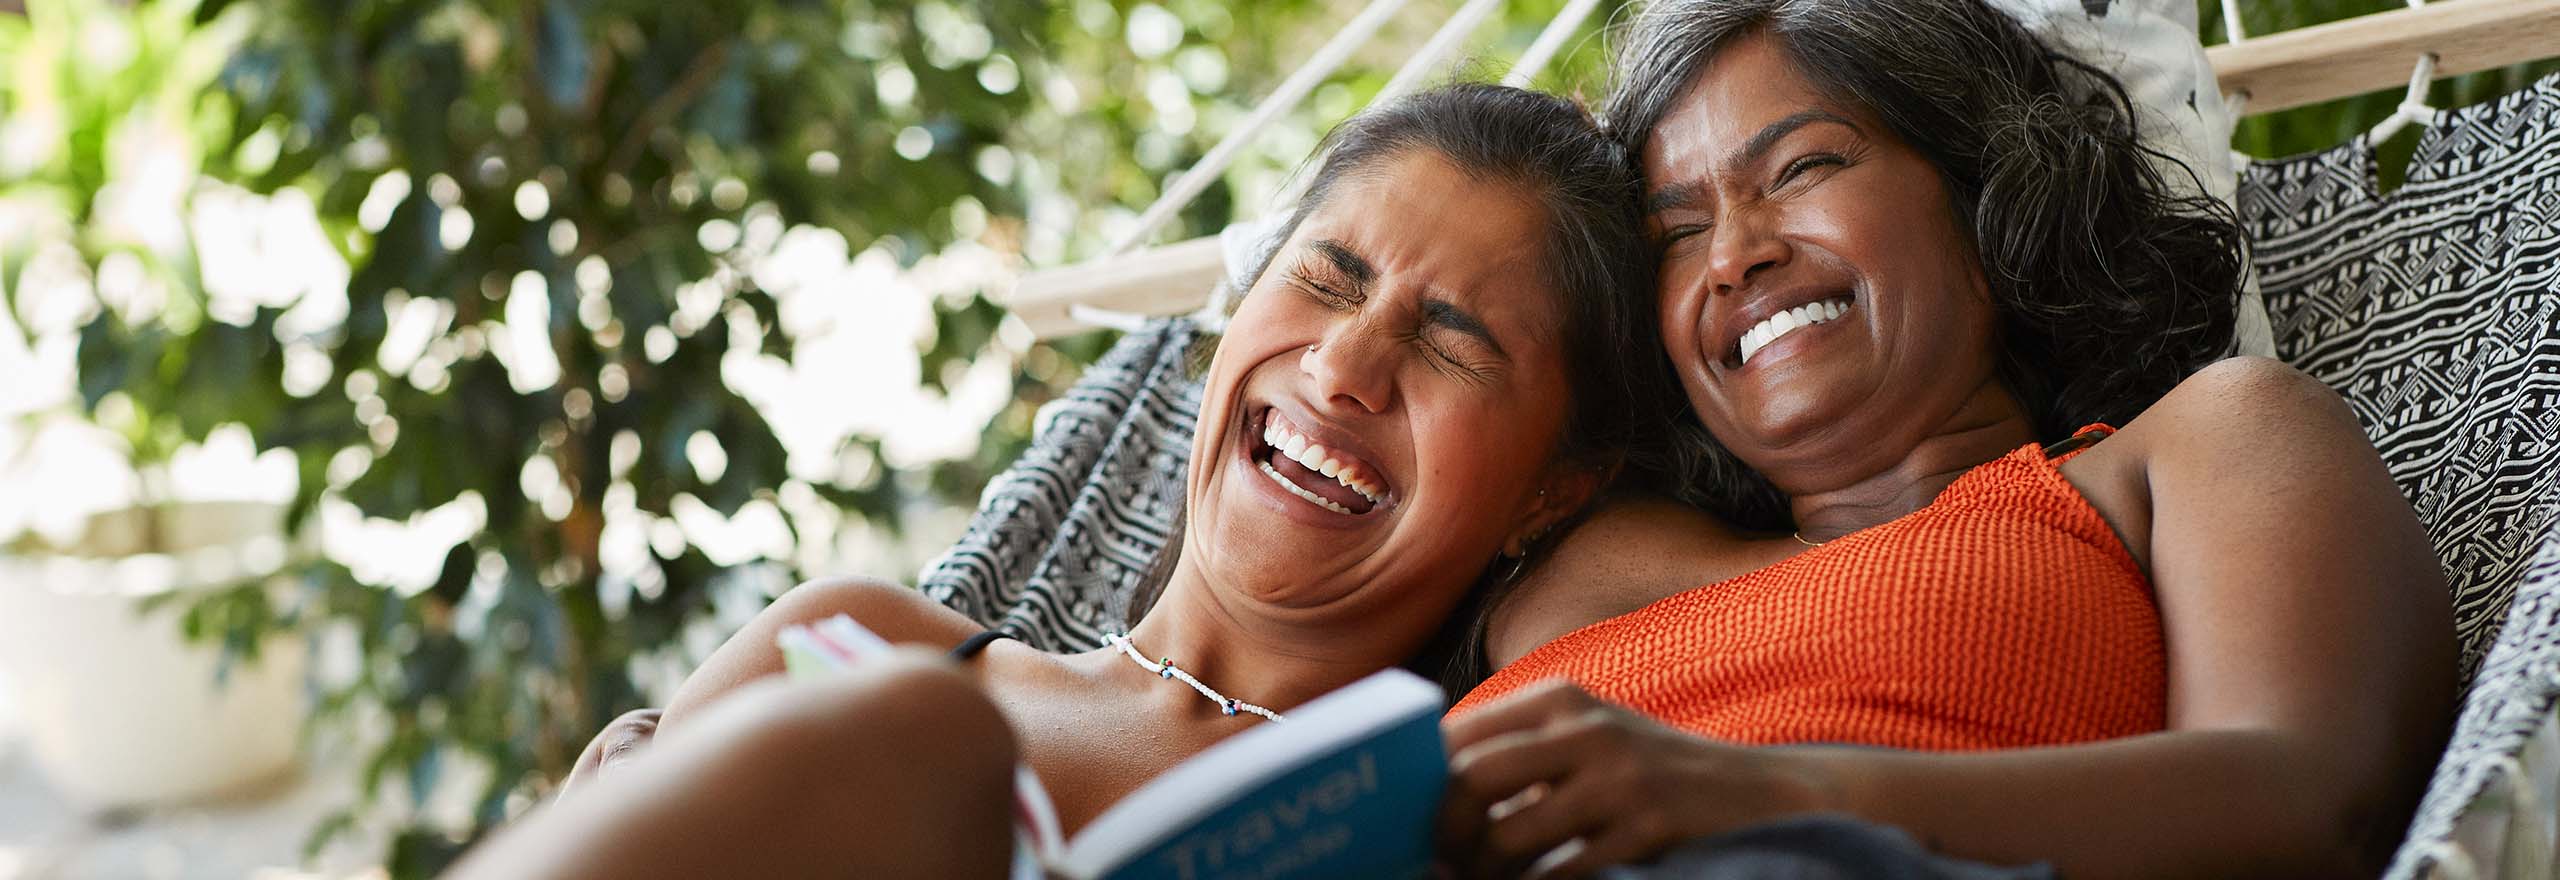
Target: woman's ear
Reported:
[(1563, 492)]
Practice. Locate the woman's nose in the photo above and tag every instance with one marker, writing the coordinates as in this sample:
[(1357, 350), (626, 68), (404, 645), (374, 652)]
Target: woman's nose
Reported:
[(1351, 366), (1746, 242)]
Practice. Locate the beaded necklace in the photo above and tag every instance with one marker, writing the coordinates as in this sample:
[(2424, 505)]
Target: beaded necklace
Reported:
[(1165, 669)]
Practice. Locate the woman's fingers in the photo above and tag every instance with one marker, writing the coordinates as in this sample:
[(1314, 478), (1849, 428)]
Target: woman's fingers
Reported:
[(1520, 794), (1527, 709), (1577, 808), (1499, 766)]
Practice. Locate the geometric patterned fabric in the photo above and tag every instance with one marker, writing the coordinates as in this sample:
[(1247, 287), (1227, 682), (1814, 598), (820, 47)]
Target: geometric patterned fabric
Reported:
[(2435, 310), (1064, 537), (2432, 310)]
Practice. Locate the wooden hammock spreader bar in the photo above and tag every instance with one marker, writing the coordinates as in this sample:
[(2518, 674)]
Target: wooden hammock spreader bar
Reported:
[(2370, 52)]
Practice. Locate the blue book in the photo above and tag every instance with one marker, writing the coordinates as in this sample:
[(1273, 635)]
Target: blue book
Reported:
[(1347, 787)]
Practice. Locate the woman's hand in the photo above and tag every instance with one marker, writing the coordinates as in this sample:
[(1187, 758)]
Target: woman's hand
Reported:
[(613, 745), (1552, 766)]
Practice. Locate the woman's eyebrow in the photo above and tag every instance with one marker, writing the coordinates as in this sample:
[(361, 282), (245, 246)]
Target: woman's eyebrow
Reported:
[(1686, 193), (1346, 261), (1678, 195), (1760, 144), (1442, 313)]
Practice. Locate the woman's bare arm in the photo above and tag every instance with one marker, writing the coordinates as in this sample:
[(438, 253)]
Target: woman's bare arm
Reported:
[(2311, 685), (898, 613)]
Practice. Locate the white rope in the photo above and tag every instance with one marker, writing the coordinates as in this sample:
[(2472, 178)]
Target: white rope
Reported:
[(1424, 60), (1292, 90), (1193, 181), (2413, 105), (1549, 42), (1442, 42), (2231, 29)]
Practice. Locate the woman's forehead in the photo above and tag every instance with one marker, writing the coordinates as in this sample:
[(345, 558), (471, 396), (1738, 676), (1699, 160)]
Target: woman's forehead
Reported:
[(1747, 87), (1426, 224)]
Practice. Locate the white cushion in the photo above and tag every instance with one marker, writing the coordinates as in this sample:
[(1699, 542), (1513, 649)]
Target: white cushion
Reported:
[(2152, 47)]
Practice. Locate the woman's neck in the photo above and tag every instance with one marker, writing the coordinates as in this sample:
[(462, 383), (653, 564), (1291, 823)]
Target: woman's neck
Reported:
[(1263, 659), (1986, 426)]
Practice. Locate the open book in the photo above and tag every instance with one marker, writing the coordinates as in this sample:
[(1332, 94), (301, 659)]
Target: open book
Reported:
[(1346, 787)]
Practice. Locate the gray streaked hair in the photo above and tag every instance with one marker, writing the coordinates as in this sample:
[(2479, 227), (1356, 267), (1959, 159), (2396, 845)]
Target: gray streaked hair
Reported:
[(2110, 284)]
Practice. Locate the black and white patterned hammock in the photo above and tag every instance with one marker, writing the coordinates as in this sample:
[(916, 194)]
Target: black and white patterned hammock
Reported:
[(2435, 310)]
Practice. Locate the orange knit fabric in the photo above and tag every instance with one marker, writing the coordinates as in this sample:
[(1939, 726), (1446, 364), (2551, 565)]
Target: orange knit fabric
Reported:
[(2004, 614)]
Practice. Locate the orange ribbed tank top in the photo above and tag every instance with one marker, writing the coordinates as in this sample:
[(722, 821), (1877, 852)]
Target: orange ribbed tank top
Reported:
[(2004, 614)]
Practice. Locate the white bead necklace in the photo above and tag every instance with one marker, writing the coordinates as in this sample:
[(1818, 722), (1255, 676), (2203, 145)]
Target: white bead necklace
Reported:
[(1166, 669)]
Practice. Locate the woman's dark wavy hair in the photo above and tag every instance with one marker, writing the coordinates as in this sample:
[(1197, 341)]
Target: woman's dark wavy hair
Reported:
[(2111, 282), (1595, 258)]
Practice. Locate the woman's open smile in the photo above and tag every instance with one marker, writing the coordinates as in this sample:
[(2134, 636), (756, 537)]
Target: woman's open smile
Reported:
[(1783, 317), (1322, 474), (1319, 465)]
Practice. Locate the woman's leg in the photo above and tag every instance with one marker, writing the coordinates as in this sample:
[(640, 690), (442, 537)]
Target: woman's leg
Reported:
[(901, 768)]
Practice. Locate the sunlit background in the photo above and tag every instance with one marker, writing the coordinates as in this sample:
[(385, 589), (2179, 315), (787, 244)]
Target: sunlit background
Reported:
[(451, 375)]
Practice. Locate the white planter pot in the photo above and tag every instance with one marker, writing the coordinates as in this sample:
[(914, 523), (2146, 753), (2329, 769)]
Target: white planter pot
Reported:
[(119, 709)]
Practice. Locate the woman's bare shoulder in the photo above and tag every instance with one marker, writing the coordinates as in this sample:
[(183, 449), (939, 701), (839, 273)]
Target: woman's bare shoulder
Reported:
[(2240, 425), (1628, 553), (2243, 401)]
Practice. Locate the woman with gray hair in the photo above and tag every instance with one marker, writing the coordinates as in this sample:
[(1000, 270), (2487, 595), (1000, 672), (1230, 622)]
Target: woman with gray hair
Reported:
[(1913, 266)]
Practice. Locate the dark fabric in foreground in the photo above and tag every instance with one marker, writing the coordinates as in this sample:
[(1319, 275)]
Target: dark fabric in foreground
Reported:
[(1826, 847)]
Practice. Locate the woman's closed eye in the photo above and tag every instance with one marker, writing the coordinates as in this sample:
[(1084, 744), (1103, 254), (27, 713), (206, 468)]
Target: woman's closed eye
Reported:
[(1330, 293), (1673, 233), (1808, 163), (1451, 359)]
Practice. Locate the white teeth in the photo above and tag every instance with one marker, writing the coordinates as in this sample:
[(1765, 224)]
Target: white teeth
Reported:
[(1788, 321), (1312, 498), (1321, 460)]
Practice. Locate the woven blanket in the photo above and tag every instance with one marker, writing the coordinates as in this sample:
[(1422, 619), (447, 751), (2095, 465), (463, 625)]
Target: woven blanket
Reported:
[(1063, 538)]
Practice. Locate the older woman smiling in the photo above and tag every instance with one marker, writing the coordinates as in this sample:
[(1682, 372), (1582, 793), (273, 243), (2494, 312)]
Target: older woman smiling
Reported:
[(1909, 274)]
